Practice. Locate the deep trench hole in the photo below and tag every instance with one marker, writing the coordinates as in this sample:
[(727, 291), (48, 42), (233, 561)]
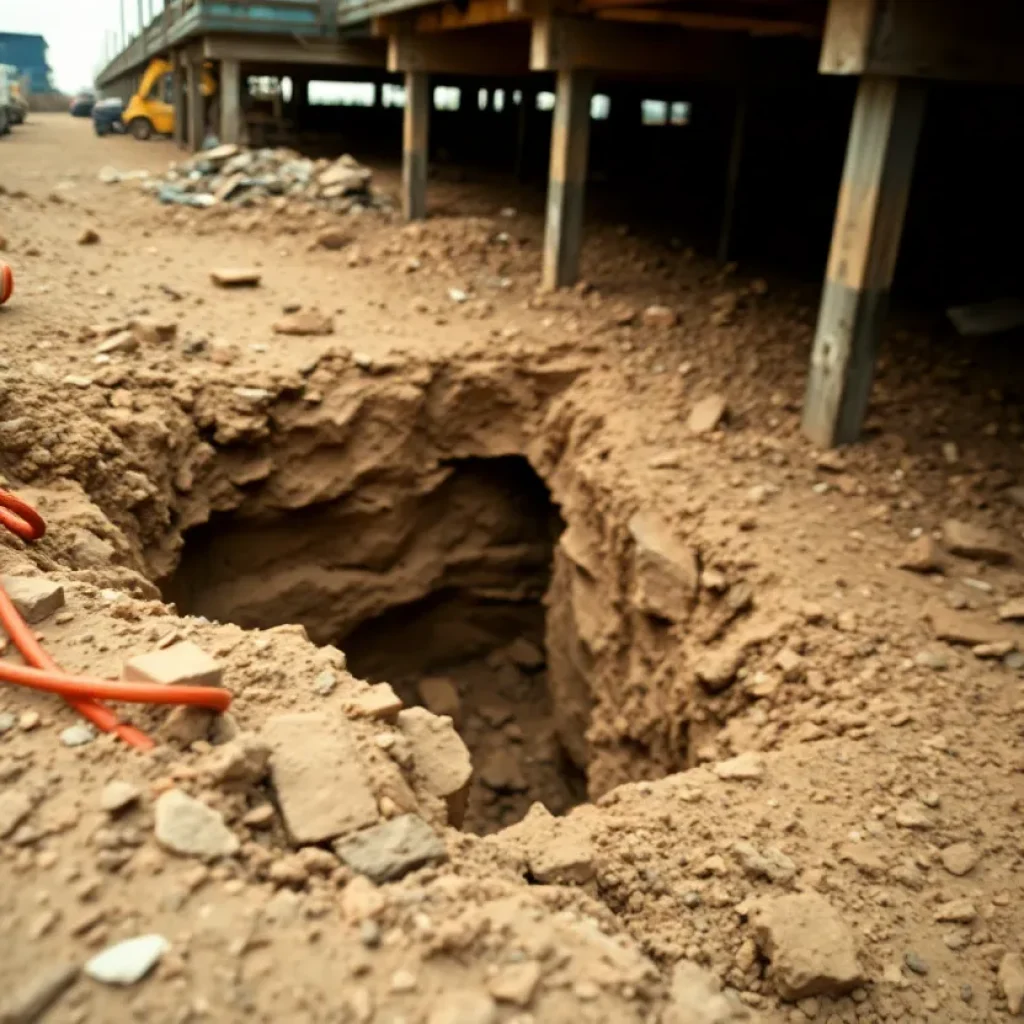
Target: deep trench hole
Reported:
[(439, 590)]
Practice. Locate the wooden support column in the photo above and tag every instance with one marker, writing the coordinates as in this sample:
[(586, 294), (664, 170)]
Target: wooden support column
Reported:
[(567, 177), (196, 115), (524, 115), (415, 137), (732, 174), (865, 241), (230, 101), (178, 92)]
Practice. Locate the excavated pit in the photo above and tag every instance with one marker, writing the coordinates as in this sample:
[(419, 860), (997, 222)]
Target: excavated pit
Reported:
[(440, 594)]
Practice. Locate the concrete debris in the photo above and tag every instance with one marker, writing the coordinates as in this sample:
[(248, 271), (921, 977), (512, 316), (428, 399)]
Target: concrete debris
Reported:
[(696, 997), (181, 664), (499, 768), (745, 767), (30, 1001), (716, 669), (515, 983), (707, 414), (15, 806), (667, 573), (441, 760), (35, 597), (392, 849), (1011, 982), (318, 777), (188, 827), (960, 858), (772, 864), (309, 322), (972, 541), (659, 316), (118, 795), (77, 735), (1012, 611), (469, 1007), (128, 962), (965, 627), (379, 701), (811, 949), (244, 761), (558, 851), (921, 555), (441, 697), (235, 277)]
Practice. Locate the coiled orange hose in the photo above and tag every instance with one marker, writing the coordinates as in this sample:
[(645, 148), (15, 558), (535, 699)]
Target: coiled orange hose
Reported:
[(81, 692)]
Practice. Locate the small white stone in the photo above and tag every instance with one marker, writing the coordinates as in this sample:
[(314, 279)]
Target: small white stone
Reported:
[(127, 962), (77, 735)]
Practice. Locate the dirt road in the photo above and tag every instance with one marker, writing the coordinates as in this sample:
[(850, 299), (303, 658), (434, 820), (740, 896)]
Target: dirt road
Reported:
[(678, 702)]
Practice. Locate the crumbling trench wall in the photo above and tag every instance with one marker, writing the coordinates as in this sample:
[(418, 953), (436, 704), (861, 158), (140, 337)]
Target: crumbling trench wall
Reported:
[(335, 479)]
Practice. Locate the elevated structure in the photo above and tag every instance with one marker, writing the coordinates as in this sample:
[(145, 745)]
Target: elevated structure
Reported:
[(892, 46), (28, 54)]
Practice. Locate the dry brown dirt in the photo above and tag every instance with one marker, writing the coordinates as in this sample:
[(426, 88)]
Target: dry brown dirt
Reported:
[(718, 735)]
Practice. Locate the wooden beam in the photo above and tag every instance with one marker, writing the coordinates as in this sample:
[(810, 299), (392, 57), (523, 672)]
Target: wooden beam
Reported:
[(712, 22), (472, 52), (335, 53), (230, 93), (415, 140), (178, 99), (562, 44), (865, 242), (196, 106), (567, 178), (979, 41)]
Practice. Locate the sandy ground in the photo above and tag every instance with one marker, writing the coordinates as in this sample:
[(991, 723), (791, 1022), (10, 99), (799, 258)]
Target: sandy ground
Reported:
[(844, 845)]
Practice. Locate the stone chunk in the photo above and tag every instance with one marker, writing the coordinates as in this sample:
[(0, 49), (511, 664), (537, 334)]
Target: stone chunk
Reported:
[(1012, 610), (306, 323), (965, 628), (466, 1007), (235, 277), (391, 849), (188, 827), (1011, 981), (318, 776), (706, 414), (149, 330), (745, 767), (696, 997), (659, 316), (244, 761), (14, 809), (117, 795), (559, 851), (181, 664), (921, 555), (972, 541), (89, 236), (123, 341), (34, 997), (772, 864), (442, 765), (960, 859), (128, 962), (515, 983), (333, 239), (716, 670), (956, 912), (667, 573), (811, 949), (35, 597), (441, 697), (499, 769), (379, 701)]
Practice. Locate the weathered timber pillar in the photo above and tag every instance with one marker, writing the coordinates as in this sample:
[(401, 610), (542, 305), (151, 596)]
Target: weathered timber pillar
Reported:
[(196, 113), (732, 174), (178, 93), (567, 177), (230, 102), (865, 241), (415, 137)]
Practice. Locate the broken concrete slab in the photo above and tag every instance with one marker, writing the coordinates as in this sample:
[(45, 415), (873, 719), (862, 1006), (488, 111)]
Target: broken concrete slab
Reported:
[(667, 573), (968, 628), (392, 849), (318, 776), (35, 597), (696, 997), (441, 762), (236, 277), (378, 701), (181, 664), (707, 414), (308, 322), (188, 827), (970, 541)]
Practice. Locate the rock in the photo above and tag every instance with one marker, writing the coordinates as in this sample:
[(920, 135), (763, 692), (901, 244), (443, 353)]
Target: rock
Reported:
[(965, 628), (181, 664), (32, 998), (442, 763), (659, 317), (559, 851), (185, 725), (526, 654), (971, 541), (716, 669), (515, 983), (236, 277), (122, 341), (346, 176), (466, 1007), (244, 761), (77, 735), (706, 414), (127, 962), (325, 683), (35, 597), (7, 722), (89, 236), (696, 997), (910, 814), (309, 322), (333, 239), (379, 701), (1011, 981), (219, 154), (811, 949), (188, 827), (666, 571), (318, 776), (391, 849), (956, 912), (915, 962), (1012, 610), (960, 858), (921, 555), (499, 768), (361, 900), (117, 795), (747, 766), (773, 864), (15, 806), (151, 331), (441, 697)]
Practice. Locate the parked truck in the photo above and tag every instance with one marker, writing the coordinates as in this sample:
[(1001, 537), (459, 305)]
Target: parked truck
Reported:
[(151, 110)]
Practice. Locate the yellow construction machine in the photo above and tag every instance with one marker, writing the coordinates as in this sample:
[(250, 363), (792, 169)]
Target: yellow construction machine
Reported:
[(151, 109)]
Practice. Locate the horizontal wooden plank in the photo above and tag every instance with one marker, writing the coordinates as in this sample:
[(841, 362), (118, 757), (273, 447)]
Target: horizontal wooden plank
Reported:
[(712, 22), (341, 53), (471, 52)]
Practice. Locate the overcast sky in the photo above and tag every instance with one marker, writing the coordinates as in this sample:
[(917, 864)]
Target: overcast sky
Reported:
[(75, 31)]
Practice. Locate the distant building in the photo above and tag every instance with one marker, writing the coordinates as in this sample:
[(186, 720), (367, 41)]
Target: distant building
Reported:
[(28, 54)]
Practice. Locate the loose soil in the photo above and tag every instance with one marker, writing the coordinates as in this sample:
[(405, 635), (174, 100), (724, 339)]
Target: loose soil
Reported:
[(693, 679)]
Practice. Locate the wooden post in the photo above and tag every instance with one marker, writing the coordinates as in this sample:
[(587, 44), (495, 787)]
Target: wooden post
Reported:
[(230, 101), (865, 241), (178, 90), (567, 177), (527, 106), (414, 144), (732, 175), (196, 118)]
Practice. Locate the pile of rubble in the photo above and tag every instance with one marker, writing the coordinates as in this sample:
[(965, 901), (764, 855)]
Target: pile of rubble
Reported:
[(249, 177)]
